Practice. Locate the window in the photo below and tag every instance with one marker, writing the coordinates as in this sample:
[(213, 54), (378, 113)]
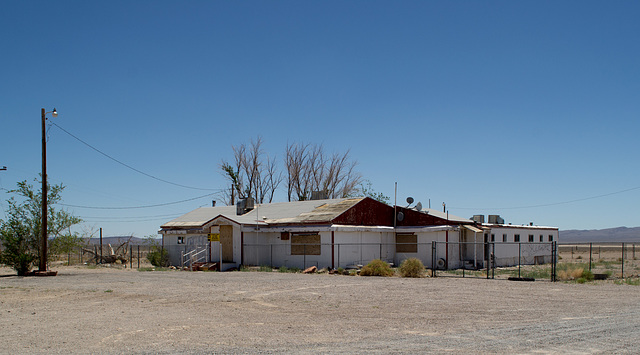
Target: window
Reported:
[(530, 238), (550, 238), (516, 238), (493, 237), (504, 238), (541, 238), (305, 244), (406, 243), (180, 240)]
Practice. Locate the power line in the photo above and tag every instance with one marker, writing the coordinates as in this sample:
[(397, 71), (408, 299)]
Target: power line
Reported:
[(550, 204), (131, 217), (128, 166), (136, 207), (115, 221)]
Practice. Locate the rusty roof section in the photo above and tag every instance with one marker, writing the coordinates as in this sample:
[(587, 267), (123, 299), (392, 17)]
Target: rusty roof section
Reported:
[(324, 213), (296, 212)]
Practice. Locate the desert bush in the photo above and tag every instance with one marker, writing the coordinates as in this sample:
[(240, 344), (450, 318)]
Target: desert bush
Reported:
[(377, 267), (158, 257), (577, 273), (587, 275), (569, 272), (411, 267)]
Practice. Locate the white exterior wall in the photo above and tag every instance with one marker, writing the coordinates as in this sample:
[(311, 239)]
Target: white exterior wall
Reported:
[(175, 250), (199, 241), (350, 247), (507, 254), (425, 247)]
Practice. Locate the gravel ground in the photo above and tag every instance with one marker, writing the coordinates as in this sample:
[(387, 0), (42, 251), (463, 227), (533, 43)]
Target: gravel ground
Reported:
[(125, 311)]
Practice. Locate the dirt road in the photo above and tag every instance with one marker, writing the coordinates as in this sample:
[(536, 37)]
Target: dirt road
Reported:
[(126, 311)]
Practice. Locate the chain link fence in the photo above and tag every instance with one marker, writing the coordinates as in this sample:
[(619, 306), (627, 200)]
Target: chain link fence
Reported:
[(133, 256), (603, 259)]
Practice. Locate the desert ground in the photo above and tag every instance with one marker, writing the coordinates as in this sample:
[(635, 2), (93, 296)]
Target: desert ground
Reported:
[(107, 310)]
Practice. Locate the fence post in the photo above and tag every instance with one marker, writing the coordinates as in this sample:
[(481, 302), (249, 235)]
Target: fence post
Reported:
[(304, 256), (433, 258), (553, 262), (486, 257), (138, 256), (130, 256), (590, 253), (622, 272), (519, 253), (493, 260)]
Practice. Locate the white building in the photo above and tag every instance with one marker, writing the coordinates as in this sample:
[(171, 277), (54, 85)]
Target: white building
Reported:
[(327, 233)]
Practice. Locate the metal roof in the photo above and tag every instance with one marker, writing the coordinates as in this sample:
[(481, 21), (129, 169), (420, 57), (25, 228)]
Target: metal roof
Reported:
[(444, 215), (298, 212)]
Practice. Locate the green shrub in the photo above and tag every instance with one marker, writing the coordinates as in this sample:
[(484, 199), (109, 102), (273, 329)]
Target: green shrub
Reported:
[(587, 275), (411, 267), (289, 269), (158, 257), (377, 267)]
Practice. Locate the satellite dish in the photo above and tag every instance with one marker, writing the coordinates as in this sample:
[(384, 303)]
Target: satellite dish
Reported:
[(400, 216), (409, 200), (419, 206)]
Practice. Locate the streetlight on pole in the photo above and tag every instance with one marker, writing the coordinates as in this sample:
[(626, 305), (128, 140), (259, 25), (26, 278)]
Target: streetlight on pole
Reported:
[(43, 232)]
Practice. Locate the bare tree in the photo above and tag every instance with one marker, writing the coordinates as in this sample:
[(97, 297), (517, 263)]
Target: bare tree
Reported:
[(310, 169), (253, 173)]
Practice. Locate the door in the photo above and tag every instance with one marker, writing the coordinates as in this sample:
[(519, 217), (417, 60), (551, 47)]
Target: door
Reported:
[(226, 240)]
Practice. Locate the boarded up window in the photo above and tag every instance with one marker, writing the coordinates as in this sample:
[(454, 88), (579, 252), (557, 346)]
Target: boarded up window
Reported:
[(284, 236), (406, 243), (305, 244)]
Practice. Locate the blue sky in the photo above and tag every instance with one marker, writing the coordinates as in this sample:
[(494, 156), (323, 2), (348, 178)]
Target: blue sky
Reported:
[(524, 109)]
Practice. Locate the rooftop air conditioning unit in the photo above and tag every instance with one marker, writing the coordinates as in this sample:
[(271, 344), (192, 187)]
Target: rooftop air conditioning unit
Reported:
[(319, 195), (495, 219), (245, 205), (478, 218)]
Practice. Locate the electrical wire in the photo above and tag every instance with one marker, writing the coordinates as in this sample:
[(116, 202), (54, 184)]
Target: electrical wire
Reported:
[(551, 204), (131, 217), (143, 220), (136, 207), (129, 166)]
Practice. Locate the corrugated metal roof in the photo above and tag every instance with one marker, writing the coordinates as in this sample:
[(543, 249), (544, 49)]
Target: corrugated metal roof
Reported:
[(443, 215), (315, 211)]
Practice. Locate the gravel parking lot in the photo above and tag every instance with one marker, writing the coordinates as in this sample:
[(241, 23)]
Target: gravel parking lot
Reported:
[(105, 310)]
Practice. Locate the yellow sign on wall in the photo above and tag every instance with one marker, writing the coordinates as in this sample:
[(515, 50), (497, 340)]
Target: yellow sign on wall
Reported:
[(214, 237)]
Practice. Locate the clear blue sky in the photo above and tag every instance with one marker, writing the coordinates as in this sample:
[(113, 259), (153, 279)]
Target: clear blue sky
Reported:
[(489, 106)]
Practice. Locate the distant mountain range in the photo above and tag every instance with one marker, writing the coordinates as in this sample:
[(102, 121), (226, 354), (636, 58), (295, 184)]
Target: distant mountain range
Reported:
[(619, 234)]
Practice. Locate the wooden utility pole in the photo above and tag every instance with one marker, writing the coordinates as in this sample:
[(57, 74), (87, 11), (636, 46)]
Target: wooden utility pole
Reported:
[(43, 227)]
